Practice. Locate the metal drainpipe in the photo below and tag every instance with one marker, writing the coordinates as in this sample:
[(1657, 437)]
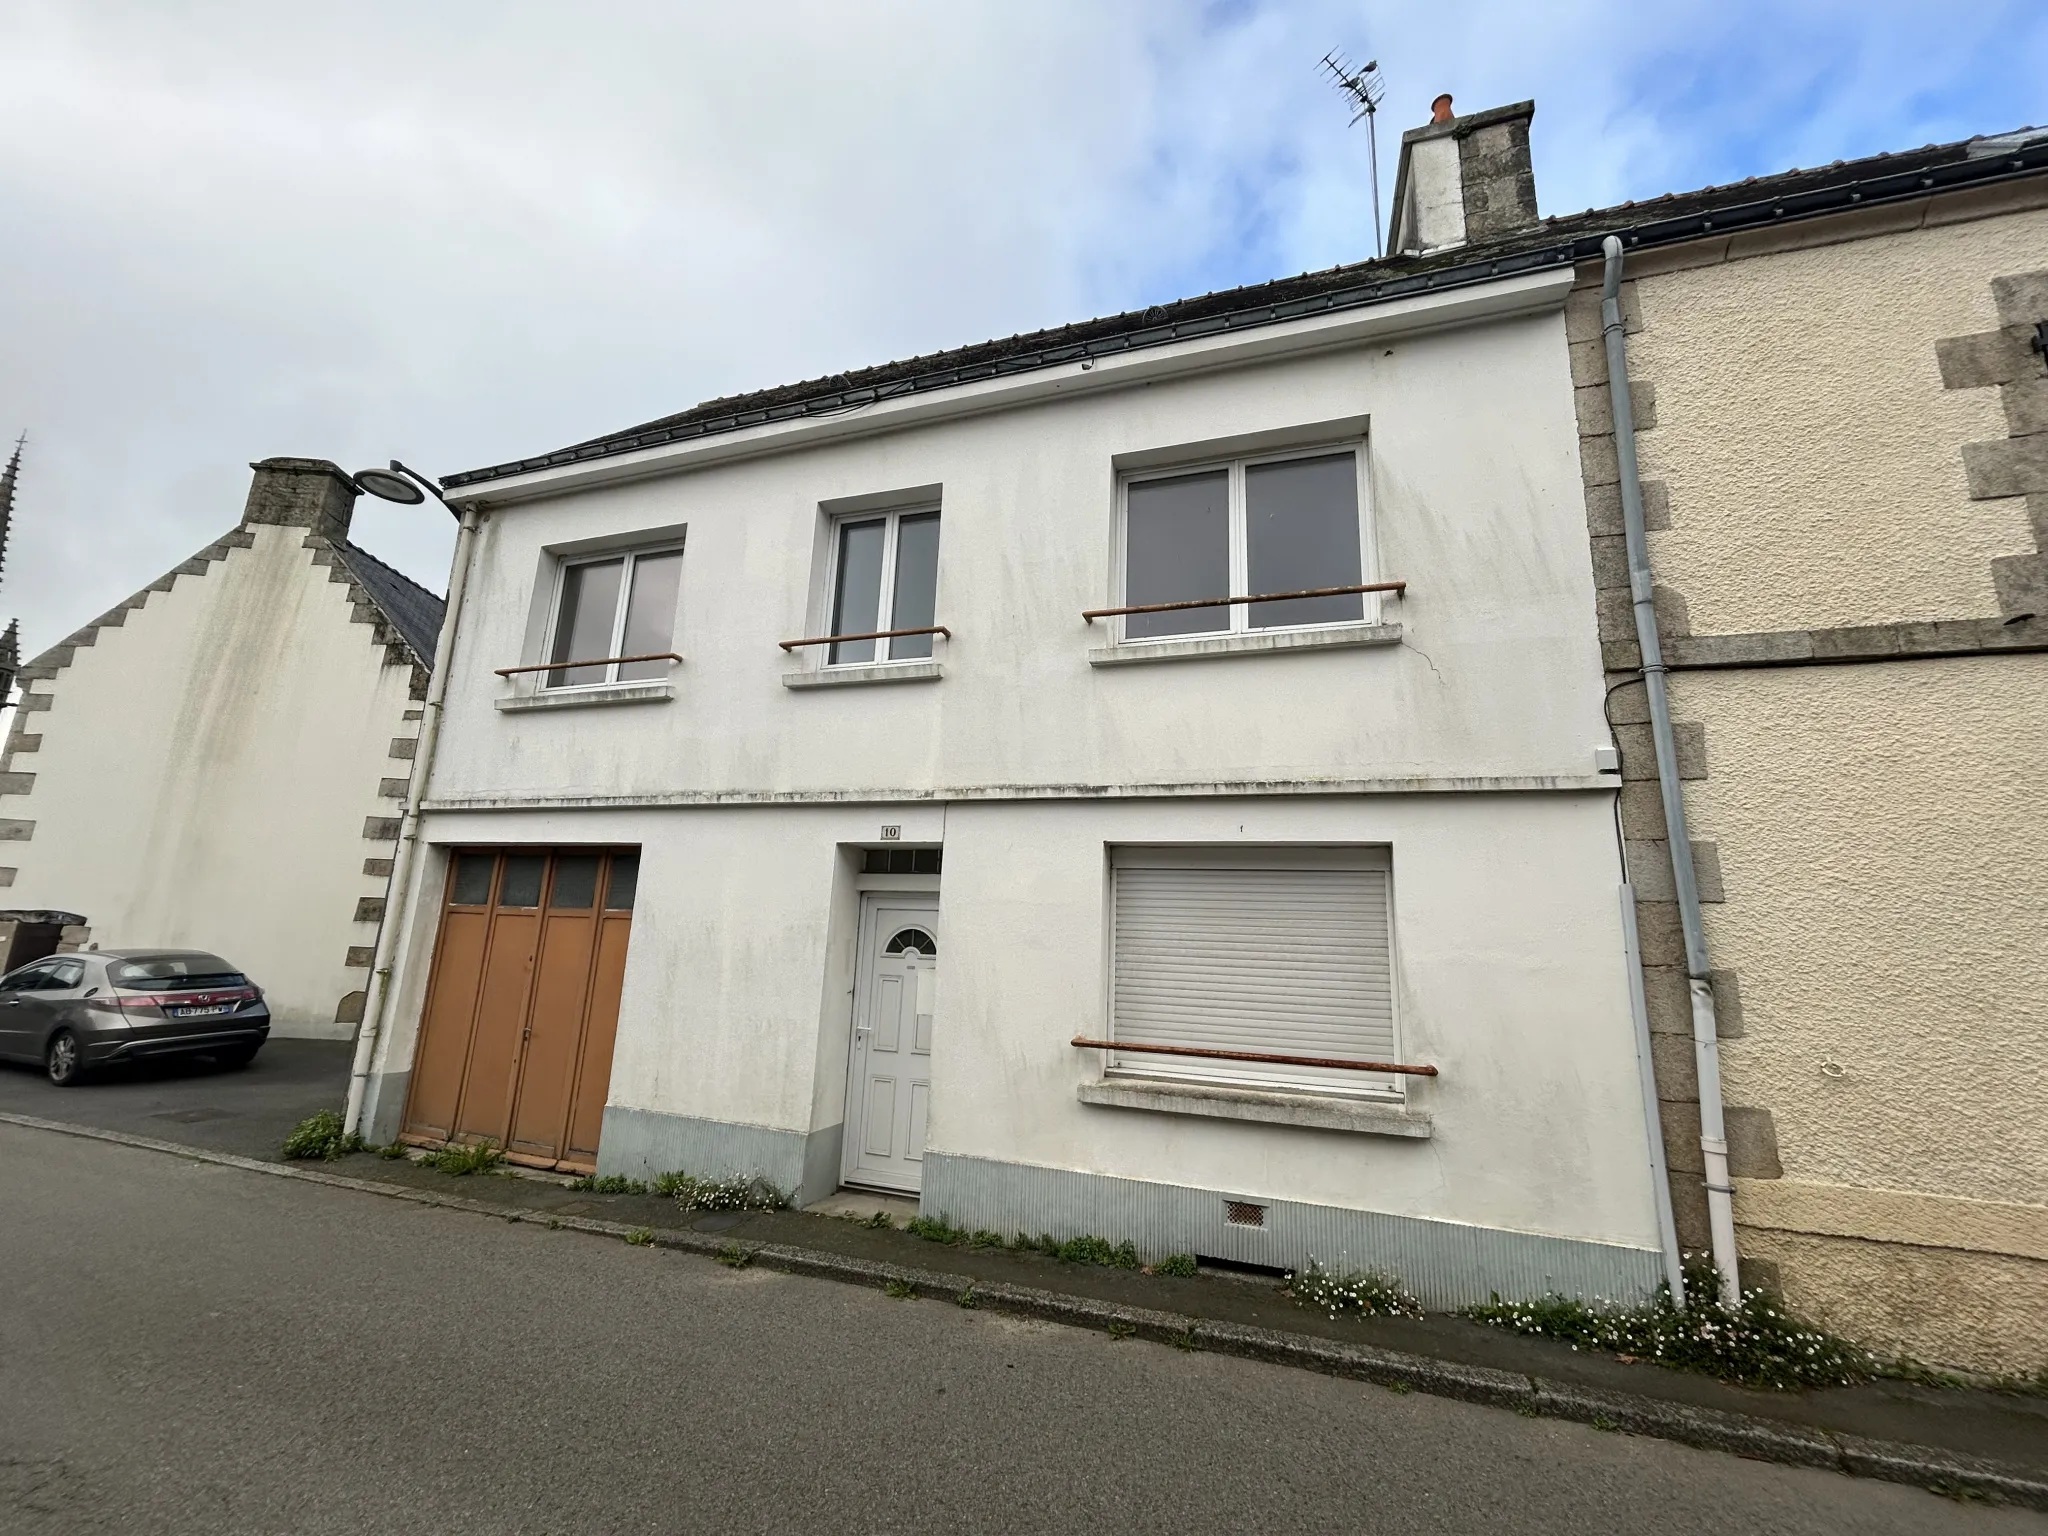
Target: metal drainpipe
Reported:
[(1706, 1041), (378, 1002)]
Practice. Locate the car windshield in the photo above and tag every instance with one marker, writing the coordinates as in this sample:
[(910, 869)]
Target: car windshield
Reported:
[(155, 973)]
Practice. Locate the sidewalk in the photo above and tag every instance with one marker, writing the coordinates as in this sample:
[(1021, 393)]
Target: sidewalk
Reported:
[(1968, 1442)]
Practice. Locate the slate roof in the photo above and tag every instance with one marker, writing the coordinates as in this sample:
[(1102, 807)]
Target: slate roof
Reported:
[(413, 611), (1552, 242)]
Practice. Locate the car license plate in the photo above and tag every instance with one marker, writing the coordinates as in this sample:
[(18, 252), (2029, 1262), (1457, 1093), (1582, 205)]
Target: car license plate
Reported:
[(200, 1013)]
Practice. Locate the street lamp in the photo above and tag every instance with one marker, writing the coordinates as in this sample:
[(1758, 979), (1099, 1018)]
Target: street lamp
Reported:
[(409, 488)]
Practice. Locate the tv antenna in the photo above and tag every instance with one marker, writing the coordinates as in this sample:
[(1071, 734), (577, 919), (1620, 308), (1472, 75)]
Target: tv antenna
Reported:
[(1365, 88)]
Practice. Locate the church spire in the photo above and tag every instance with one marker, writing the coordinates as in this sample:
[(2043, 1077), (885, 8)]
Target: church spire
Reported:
[(7, 479), (10, 642)]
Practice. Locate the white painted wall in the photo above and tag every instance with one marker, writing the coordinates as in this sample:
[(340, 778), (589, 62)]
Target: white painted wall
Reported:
[(1507, 943), (1474, 476), (1027, 763), (205, 772)]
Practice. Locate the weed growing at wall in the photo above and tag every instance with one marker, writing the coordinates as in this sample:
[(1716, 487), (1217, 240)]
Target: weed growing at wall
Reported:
[(392, 1153), (640, 1237), (472, 1157), (1073, 1250), (320, 1136), (732, 1193), (610, 1184), (1350, 1293), (1179, 1265), (1755, 1343)]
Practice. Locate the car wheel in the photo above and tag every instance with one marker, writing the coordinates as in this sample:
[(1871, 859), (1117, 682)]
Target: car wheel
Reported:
[(63, 1060), (236, 1059)]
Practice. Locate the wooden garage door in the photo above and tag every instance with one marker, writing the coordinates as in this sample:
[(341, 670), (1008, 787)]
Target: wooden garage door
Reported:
[(523, 1002)]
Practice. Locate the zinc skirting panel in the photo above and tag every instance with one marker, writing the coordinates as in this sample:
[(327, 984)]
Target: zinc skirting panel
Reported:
[(1444, 1264), (642, 1143)]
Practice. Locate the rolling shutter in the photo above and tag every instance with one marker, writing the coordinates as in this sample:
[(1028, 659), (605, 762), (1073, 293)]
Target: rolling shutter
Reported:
[(1280, 960)]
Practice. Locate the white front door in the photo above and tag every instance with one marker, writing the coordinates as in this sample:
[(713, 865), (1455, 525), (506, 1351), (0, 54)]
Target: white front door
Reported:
[(889, 1081)]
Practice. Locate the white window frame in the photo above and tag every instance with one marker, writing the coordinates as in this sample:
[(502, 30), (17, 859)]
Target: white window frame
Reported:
[(892, 520), (631, 558), (1238, 616), (1146, 1067)]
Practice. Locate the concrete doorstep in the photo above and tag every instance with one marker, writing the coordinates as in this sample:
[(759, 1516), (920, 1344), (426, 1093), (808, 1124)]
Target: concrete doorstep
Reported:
[(1966, 1444)]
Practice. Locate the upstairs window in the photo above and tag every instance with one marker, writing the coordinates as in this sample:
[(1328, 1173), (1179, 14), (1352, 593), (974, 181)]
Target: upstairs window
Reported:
[(1248, 528), (614, 606), (885, 575)]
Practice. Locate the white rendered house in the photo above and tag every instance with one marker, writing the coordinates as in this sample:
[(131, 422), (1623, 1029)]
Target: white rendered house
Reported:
[(218, 761), (1330, 880)]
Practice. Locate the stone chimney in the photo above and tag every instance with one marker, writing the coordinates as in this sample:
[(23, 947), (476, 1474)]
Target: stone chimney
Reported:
[(1464, 179), (302, 493)]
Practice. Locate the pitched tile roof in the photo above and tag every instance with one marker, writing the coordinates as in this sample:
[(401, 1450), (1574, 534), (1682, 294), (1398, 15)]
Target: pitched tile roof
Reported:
[(1551, 242)]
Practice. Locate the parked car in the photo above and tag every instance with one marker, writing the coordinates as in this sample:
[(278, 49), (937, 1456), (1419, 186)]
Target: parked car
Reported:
[(73, 1013)]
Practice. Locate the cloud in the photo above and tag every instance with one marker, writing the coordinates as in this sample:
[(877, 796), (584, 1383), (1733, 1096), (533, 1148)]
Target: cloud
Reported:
[(464, 232)]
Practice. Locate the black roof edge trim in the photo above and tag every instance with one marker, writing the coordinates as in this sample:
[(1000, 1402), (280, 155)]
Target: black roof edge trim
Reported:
[(1918, 181)]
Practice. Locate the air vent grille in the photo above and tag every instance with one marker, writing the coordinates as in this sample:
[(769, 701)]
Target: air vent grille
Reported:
[(1243, 1213)]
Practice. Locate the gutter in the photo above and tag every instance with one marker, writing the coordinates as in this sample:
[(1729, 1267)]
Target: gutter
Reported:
[(1706, 1040), (398, 905)]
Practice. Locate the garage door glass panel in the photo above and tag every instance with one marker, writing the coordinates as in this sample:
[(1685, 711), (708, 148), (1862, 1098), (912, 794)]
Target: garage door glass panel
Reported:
[(471, 886), (521, 885), (575, 882), (625, 878)]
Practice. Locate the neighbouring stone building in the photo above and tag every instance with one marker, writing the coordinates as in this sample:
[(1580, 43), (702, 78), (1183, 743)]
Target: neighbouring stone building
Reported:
[(1842, 416), (218, 762)]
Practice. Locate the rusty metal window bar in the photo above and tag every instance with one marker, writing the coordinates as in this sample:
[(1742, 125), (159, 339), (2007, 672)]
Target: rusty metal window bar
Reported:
[(874, 634), (1262, 1058), (595, 661), (1398, 588)]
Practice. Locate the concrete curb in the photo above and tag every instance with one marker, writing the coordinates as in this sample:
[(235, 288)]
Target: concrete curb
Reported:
[(1706, 1428)]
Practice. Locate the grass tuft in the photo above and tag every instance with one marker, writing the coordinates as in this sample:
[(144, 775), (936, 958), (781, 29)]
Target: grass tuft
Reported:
[(610, 1184), (899, 1290), (640, 1237), (470, 1157), (320, 1136), (1179, 1265)]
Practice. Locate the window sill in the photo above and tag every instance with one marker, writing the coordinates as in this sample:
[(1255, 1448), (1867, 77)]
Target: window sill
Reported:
[(1314, 1111), (1205, 647), (853, 677), (584, 698)]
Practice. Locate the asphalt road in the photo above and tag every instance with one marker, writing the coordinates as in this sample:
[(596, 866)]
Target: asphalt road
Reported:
[(247, 1112), (186, 1347)]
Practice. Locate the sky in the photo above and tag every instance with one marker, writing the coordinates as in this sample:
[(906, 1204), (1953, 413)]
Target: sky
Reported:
[(465, 231)]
